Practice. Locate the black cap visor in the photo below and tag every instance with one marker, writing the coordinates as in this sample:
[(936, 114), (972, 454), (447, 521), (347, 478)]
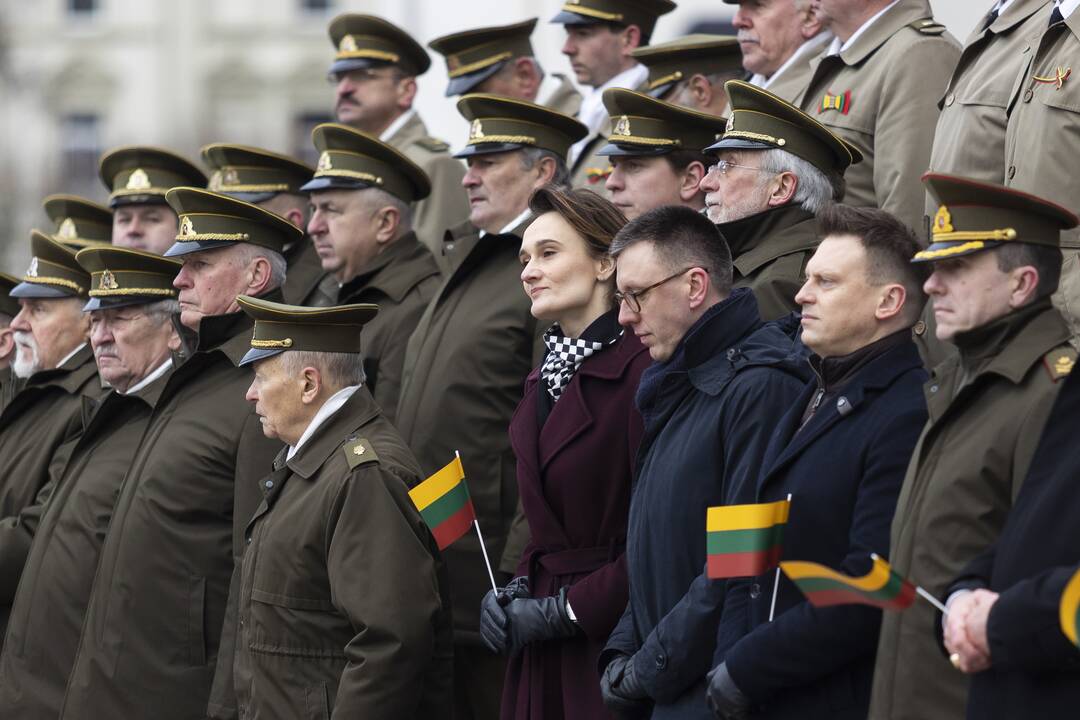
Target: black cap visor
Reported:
[(737, 144), (331, 182), (488, 149), (29, 290), (617, 150), (465, 83), (254, 355)]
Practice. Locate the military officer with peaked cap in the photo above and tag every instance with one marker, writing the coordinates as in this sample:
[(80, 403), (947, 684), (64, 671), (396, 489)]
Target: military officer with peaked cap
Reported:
[(272, 181), (154, 630), (342, 587), (137, 178), (465, 363), (691, 71), (363, 193), (375, 70), (500, 61), (60, 535), (78, 222), (996, 261), (656, 151)]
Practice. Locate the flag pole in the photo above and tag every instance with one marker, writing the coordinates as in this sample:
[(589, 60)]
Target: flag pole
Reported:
[(932, 600), (776, 584), (483, 547)]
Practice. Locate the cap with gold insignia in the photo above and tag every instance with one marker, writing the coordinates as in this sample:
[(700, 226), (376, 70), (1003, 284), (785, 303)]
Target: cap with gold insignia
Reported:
[(500, 124), (642, 13), (672, 62), (352, 160), (53, 271), (142, 175), (8, 305), (211, 220), (473, 56), (367, 41), (123, 276), (280, 327), (974, 216), (641, 125), (252, 174), (79, 222), (759, 120)]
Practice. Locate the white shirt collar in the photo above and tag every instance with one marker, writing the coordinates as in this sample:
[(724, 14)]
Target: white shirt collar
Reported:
[(331, 406), (548, 87), (1002, 6), (801, 52), (593, 113), (398, 123), (70, 355), (1067, 7), (158, 372), (837, 47), (512, 224)]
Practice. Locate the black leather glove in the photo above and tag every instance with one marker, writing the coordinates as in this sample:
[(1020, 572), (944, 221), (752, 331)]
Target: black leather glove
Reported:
[(622, 692), (725, 698), (536, 619), (494, 630)]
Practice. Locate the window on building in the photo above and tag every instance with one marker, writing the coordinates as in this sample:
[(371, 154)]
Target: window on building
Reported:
[(302, 127), (81, 138), (82, 7)]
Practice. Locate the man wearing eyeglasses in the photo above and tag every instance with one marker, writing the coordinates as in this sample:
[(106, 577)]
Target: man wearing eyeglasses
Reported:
[(374, 74), (776, 169), (719, 382)]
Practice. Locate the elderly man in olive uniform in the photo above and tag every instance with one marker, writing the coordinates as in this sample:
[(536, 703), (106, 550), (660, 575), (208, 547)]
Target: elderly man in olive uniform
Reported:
[(996, 263), (338, 534), (601, 36), (776, 169), (153, 632), (374, 71), (272, 181), (474, 344), (78, 222), (137, 178), (877, 86), (500, 61), (692, 70), (779, 39), (59, 537), (363, 194), (656, 151)]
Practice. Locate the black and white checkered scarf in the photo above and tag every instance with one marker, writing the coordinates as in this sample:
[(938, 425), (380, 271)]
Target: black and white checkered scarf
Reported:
[(565, 354)]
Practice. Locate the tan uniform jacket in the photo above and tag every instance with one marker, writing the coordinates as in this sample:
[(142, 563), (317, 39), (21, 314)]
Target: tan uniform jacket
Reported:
[(795, 79), (465, 370), (888, 84), (154, 623), (401, 281), (303, 279), (59, 537), (566, 99), (964, 474), (589, 169), (447, 205), (344, 604)]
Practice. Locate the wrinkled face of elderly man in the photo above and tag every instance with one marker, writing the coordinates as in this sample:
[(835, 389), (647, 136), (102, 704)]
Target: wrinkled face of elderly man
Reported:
[(131, 342), (46, 331)]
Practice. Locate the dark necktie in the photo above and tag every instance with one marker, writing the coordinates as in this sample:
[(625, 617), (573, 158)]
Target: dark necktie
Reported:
[(1056, 17), (991, 18)]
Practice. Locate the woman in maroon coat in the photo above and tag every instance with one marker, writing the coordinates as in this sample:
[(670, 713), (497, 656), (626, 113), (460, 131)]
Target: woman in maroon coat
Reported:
[(575, 434)]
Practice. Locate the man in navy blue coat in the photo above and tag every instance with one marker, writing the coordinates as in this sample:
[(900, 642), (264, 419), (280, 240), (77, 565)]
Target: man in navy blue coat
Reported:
[(841, 453), (719, 382)]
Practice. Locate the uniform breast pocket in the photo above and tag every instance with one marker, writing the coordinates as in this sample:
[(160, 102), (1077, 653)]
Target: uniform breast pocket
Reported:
[(302, 624)]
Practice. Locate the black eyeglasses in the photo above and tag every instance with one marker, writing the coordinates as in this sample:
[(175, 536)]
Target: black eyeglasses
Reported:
[(634, 297)]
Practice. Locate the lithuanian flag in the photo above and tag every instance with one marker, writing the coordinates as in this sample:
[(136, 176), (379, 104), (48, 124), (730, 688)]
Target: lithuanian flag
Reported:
[(881, 587), (444, 503), (1070, 609), (744, 540)]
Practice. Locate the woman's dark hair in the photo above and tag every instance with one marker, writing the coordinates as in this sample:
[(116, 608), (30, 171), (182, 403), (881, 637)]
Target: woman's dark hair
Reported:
[(592, 217)]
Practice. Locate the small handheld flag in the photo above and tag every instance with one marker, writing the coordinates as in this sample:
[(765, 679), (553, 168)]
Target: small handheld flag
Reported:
[(881, 587), (444, 503), (1070, 609), (744, 540)]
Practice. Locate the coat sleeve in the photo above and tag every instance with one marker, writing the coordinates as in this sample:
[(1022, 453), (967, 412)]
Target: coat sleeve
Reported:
[(383, 579), (1024, 627), (805, 643), (622, 641), (16, 536)]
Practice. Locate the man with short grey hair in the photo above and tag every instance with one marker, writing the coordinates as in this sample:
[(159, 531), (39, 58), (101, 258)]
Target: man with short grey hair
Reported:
[(779, 39), (776, 169)]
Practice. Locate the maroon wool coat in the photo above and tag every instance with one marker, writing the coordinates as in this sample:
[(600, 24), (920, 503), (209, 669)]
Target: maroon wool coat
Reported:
[(574, 479)]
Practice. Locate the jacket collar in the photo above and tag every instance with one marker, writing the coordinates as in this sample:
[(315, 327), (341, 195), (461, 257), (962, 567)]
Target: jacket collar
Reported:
[(70, 376), (765, 236), (895, 18), (721, 327), (405, 253), (339, 428), (230, 333), (835, 372), (1014, 15)]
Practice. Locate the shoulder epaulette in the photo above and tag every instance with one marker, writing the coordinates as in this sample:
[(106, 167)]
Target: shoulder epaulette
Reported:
[(433, 144), (1059, 362), (928, 26), (358, 451)]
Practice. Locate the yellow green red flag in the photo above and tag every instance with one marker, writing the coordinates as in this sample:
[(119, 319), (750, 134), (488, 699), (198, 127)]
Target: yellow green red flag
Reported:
[(744, 540), (882, 587), (1070, 609), (444, 503)]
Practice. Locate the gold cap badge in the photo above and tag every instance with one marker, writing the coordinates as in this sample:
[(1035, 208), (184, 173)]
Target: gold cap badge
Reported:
[(476, 130), (943, 221), (622, 127), (67, 229), (139, 180), (325, 162), (187, 227), (32, 271), (348, 44), (107, 282)]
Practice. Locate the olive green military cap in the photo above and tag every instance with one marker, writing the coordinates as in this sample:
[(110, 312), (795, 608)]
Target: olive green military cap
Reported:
[(759, 120), (211, 220), (53, 271), (79, 222), (352, 160), (252, 174), (140, 174), (367, 41), (641, 125), (642, 13), (280, 327), (672, 62), (8, 305), (473, 56), (123, 276), (974, 216), (500, 124)]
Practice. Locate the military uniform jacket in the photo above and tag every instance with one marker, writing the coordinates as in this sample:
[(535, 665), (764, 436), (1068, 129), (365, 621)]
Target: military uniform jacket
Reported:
[(968, 466), (793, 81), (60, 537), (770, 251), (303, 280), (566, 99), (447, 205), (151, 637), (465, 370), (401, 281), (344, 609), (881, 95), (589, 169)]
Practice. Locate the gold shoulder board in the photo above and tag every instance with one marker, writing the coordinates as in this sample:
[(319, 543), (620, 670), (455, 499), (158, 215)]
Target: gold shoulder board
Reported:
[(928, 27), (1059, 362), (358, 451)]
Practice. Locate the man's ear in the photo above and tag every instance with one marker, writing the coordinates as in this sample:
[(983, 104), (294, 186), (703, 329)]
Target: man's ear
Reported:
[(387, 220), (311, 385), (691, 180), (784, 186), (809, 24), (891, 303), (527, 77), (1023, 284), (631, 39), (406, 93)]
